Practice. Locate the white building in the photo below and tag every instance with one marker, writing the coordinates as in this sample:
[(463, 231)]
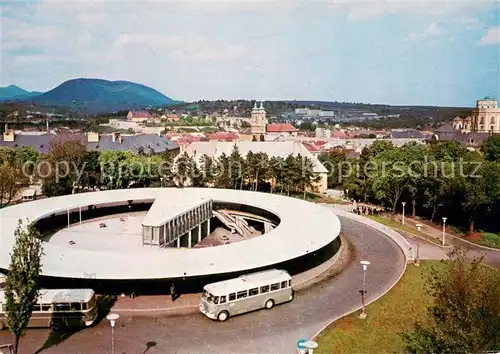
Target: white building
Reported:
[(322, 133), (272, 149)]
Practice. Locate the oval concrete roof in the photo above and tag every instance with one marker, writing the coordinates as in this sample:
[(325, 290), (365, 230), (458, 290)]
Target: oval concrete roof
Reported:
[(304, 228)]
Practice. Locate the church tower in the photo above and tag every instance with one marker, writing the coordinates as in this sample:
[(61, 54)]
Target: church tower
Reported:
[(258, 120)]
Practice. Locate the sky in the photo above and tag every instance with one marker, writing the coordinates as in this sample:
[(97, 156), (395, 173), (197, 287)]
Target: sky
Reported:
[(417, 52)]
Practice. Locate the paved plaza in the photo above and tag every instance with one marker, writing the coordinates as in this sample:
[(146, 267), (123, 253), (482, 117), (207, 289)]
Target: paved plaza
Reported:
[(121, 232)]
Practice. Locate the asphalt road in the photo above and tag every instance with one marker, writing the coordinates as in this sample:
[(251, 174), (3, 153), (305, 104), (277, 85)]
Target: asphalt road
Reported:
[(274, 331)]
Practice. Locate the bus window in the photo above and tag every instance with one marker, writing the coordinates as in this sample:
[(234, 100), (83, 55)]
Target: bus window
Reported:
[(222, 299), (289, 283), (216, 300), (36, 307), (84, 306), (283, 284), (264, 289), (242, 294), (232, 297), (275, 286), (75, 306), (62, 307), (253, 291), (46, 307)]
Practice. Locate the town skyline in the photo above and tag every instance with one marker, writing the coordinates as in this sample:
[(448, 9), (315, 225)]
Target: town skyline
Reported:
[(398, 53)]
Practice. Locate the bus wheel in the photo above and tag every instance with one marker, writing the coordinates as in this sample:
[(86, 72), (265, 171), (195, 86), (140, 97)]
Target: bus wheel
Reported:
[(56, 325), (269, 304), (223, 316)]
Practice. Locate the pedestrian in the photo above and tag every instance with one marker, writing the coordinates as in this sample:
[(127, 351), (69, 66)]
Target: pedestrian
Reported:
[(172, 291)]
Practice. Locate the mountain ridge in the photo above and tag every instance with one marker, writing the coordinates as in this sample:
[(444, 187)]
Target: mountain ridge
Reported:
[(15, 93), (93, 95)]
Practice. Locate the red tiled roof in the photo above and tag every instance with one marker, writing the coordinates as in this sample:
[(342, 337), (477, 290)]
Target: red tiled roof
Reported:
[(339, 134), (319, 142), (222, 136), (140, 114), (311, 148), (280, 128)]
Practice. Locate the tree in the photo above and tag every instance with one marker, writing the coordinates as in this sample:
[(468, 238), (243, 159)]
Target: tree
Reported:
[(334, 161), (464, 316), (21, 286), (257, 169), (11, 181), (491, 148), (307, 177), (236, 168), (92, 170), (291, 175), (449, 151), (208, 169), (245, 124), (480, 190), (183, 170), (222, 176), (276, 172), (390, 176), (416, 158), (64, 165)]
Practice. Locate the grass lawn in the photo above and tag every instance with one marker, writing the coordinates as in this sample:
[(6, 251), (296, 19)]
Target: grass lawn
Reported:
[(488, 239), (392, 314), (393, 224), (319, 198)]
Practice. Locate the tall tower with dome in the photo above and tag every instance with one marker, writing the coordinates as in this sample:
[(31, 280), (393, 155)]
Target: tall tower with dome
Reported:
[(258, 119)]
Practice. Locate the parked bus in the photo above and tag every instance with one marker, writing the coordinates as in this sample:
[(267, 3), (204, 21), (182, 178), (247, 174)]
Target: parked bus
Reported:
[(58, 308), (246, 293)]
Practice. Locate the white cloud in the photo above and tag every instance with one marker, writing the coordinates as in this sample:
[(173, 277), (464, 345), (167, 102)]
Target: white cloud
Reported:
[(153, 40), (84, 38), (433, 30), (371, 9), (491, 37)]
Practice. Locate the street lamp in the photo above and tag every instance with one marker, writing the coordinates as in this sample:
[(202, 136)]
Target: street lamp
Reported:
[(444, 229), (404, 203), (365, 265), (347, 194), (112, 320), (161, 182), (417, 259)]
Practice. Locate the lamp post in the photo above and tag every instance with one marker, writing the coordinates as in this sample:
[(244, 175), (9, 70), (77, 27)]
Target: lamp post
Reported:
[(347, 194), (417, 259), (112, 320), (161, 182), (444, 230), (403, 203), (365, 265)]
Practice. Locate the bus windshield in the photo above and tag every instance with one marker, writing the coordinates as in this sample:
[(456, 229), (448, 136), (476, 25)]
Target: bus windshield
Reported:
[(210, 298)]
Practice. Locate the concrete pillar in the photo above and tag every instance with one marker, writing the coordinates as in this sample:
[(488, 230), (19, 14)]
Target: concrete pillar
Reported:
[(189, 238), (68, 219), (179, 242), (208, 227), (199, 233), (80, 211)]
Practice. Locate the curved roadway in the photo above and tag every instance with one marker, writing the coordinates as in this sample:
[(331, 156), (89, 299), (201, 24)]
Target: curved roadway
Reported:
[(274, 331)]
